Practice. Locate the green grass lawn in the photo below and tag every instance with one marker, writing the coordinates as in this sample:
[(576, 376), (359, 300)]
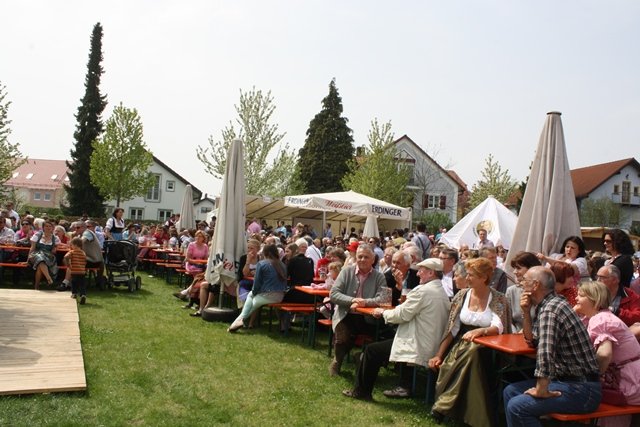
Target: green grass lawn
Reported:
[(149, 363)]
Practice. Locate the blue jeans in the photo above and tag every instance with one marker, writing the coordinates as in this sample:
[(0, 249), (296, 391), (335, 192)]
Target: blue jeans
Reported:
[(254, 302), (524, 410)]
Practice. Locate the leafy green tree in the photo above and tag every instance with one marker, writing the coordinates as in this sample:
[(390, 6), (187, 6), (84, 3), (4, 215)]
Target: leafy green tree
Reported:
[(82, 195), (262, 142), (324, 158), (435, 220), (376, 171), (11, 157), (601, 213), (120, 161), (495, 182)]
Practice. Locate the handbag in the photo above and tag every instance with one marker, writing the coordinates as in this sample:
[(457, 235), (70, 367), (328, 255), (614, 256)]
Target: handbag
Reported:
[(610, 381)]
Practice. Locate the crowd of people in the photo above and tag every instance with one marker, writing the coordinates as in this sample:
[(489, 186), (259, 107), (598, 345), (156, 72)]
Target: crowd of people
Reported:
[(579, 311), (442, 298)]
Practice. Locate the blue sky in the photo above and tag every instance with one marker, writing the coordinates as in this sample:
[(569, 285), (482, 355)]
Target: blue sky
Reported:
[(462, 79)]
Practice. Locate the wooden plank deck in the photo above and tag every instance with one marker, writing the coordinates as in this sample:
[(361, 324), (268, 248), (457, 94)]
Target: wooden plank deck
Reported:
[(40, 349)]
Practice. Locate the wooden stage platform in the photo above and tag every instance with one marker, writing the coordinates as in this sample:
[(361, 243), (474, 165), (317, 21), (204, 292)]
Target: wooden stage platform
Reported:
[(40, 348)]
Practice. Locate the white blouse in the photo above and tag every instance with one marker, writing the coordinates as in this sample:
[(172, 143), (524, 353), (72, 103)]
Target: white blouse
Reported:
[(481, 319)]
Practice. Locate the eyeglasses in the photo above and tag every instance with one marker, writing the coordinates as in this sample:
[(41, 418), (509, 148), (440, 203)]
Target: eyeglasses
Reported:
[(26, 223), (607, 241), (600, 277)]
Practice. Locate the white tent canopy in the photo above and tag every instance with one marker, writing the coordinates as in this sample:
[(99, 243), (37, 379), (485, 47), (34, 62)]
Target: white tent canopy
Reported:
[(491, 215), (349, 203)]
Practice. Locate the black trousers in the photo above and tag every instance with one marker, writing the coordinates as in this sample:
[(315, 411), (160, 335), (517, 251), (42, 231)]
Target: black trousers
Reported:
[(375, 356)]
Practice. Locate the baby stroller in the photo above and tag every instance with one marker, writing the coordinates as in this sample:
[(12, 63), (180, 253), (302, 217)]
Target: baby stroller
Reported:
[(120, 261)]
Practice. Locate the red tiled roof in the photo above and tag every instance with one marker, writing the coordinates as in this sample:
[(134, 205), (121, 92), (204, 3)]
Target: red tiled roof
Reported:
[(587, 179), (39, 174), (457, 179)]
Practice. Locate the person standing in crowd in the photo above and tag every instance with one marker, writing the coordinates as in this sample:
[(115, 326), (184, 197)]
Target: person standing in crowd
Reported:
[(567, 376), (618, 244), (422, 240), (115, 225), (483, 241)]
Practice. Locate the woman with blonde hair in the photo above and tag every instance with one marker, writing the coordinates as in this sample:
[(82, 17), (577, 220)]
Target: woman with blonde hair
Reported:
[(617, 350), (462, 389)]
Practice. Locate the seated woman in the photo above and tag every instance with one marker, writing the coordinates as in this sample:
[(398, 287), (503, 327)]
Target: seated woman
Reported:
[(462, 389), (131, 233), (618, 244), (22, 237), (300, 273), (42, 255), (269, 285), (617, 350), (247, 268), (574, 254), (565, 282), (460, 276), (197, 250), (521, 263)]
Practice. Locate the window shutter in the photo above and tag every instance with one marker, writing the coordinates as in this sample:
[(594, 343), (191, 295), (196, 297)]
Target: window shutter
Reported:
[(443, 202), (425, 201)]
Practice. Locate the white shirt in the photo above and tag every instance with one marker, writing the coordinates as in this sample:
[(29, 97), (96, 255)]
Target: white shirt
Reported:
[(447, 283)]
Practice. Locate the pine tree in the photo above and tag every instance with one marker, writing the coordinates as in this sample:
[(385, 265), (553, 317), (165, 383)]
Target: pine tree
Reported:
[(82, 195), (324, 158)]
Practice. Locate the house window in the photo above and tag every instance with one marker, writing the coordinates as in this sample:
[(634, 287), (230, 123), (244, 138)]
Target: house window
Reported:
[(411, 173), (636, 191), (616, 189), (164, 215), (136, 214), (153, 195), (171, 185), (37, 195), (205, 209), (47, 197), (434, 202)]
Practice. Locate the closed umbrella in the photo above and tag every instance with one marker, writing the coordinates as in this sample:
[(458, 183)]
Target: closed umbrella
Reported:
[(371, 227), (549, 213), (229, 241), (186, 220)]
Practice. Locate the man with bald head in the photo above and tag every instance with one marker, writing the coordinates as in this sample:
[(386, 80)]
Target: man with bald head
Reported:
[(401, 276), (357, 285), (567, 376)]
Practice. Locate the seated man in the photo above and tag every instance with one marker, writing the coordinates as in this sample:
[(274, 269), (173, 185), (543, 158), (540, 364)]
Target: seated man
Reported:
[(421, 321), (357, 285), (567, 377), (499, 278), (400, 278)]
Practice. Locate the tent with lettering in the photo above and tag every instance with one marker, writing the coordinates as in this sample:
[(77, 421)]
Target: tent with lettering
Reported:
[(349, 203)]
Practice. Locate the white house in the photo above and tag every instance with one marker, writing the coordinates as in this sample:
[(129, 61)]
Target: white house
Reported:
[(435, 189), (162, 200), (618, 181), (203, 208)]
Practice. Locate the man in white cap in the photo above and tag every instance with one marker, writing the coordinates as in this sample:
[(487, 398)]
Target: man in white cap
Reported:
[(421, 321)]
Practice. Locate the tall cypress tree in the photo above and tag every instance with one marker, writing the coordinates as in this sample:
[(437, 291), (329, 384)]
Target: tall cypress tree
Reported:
[(82, 195), (328, 148)]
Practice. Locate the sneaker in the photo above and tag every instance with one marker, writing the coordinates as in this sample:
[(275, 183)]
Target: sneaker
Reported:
[(83, 299), (397, 393), (356, 395), (74, 296)]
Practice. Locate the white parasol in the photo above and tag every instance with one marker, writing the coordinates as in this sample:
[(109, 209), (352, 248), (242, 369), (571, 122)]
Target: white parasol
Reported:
[(186, 220), (229, 241), (549, 213)]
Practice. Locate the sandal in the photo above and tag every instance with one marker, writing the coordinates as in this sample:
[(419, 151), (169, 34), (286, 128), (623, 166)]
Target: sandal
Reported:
[(196, 314)]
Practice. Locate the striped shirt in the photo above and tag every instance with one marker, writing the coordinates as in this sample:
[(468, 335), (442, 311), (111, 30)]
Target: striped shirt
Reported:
[(563, 345), (77, 261)]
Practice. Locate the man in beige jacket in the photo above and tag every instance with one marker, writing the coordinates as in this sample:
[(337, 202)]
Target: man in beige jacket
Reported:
[(421, 321)]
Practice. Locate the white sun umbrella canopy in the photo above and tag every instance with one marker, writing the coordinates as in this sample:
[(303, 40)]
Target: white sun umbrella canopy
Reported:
[(549, 213), (229, 241), (187, 220), (490, 215), (370, 227)]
